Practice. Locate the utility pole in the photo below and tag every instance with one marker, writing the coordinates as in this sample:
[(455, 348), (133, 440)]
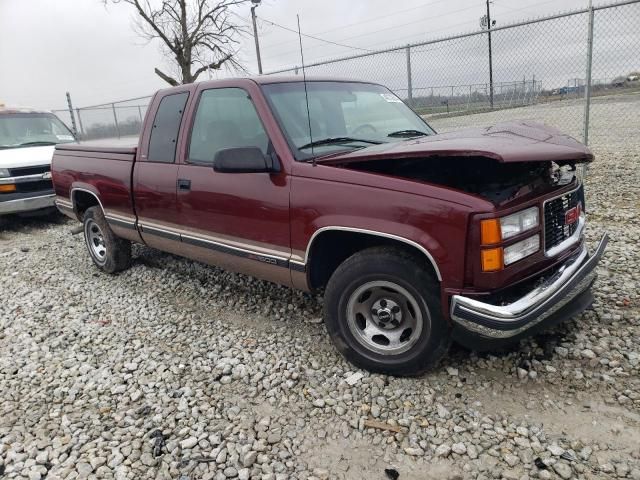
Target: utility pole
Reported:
[(485, 22), (256, 3)]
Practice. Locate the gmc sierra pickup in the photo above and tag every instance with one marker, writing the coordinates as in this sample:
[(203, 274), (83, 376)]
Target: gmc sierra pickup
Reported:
[(417, 238)]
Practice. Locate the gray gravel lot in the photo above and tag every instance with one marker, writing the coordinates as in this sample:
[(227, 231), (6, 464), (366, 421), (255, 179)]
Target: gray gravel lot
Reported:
[(173, 369)]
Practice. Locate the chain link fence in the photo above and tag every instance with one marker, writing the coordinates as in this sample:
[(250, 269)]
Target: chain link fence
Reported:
[(537, 70), (117, 119)]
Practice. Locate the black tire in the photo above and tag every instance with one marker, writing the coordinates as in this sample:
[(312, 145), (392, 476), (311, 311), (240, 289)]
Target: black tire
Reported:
[(108, 252), (396, 280)]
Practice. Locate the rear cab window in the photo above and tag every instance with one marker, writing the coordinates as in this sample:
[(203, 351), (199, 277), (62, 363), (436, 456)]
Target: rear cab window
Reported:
[(165, 128)]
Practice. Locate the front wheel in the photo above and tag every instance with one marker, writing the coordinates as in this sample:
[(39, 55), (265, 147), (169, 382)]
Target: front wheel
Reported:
[(108, 252), (382, 310)]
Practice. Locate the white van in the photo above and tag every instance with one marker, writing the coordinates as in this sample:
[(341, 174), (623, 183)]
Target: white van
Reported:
[(27, 140)]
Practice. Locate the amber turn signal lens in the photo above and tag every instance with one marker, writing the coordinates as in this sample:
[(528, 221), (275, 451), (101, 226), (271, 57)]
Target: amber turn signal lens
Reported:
[(491, 259), (490, 231), (7, 188)]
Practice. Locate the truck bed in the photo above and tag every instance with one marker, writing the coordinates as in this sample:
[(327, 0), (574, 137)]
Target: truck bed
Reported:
[(84, 172)]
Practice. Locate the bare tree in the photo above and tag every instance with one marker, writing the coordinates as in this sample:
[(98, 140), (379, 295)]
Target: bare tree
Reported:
[(198, 34)]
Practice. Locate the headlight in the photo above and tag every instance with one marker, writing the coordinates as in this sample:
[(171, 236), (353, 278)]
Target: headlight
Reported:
[(494, 230), (519, 222), (4, 172), (522, 249)]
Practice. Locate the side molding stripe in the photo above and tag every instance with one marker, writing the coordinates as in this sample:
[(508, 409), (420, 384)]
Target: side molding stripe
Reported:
[(297, 267), (121, 223), (160, 232), (218, 247)]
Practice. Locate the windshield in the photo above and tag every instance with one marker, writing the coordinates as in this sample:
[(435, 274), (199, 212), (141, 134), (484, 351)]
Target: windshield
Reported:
[(31, 129), (343, 115)]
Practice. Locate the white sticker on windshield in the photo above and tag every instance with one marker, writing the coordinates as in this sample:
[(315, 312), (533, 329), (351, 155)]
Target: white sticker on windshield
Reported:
[(64, 137), (389, 97)]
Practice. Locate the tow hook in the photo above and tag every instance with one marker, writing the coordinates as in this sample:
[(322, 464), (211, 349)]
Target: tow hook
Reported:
[(77, 230)]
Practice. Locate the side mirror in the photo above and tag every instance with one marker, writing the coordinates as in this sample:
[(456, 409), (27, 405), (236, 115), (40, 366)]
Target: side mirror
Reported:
[(242, 160)]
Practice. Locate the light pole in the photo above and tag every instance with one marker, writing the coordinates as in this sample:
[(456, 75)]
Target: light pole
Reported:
[(485, 22), (256, 3)]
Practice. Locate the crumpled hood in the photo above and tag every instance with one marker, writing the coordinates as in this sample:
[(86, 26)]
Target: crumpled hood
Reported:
[(26, 156), (505, 142)]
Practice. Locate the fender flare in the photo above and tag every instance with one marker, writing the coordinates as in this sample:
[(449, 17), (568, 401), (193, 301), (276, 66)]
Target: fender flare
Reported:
[(391, 236), (81, 189)]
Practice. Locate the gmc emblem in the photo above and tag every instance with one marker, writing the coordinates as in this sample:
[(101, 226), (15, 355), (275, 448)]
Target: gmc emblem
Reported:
[(572, 215)]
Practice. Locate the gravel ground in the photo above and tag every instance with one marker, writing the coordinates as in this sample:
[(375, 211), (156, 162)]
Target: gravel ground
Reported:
[(177, 370)]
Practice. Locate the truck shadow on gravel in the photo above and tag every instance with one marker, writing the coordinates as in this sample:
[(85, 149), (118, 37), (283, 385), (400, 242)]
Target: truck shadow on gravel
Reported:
[(31, 223), (298, 305), (524, 356), (303, 309)]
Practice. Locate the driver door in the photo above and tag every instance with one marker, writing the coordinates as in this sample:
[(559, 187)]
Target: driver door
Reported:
[(239, 221)]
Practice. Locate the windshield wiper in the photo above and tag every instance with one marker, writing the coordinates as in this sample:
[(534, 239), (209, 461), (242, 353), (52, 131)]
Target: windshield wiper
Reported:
[(27, 144), (408, 133), (337, 141)]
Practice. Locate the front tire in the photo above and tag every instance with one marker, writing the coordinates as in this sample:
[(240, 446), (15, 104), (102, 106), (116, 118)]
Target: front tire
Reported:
[(383, 313), (108, 252)]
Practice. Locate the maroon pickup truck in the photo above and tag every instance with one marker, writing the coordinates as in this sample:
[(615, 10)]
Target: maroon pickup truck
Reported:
[(417, 238)]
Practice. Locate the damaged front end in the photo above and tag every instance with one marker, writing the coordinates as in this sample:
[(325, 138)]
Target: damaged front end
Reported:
[(498, 163), (486, 177), (526, 262)]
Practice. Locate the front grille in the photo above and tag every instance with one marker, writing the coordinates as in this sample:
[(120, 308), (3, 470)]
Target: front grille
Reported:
[(555, 230), (22, 171), (37, 186)]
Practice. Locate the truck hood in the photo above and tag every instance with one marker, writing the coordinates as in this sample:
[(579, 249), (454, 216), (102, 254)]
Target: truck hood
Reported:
[(509, 142), (26, 156)]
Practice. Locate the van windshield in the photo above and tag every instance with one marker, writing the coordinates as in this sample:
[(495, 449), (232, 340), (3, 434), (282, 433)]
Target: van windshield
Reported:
[(343, 115), (32, 129)]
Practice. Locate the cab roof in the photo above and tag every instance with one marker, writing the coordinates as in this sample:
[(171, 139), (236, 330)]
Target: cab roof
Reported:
[(266, 79)]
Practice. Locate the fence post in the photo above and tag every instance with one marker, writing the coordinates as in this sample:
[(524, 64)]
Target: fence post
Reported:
[(73, 118), (534, 97), (587, 87), (80, 121), (115, 118), (409, 80)]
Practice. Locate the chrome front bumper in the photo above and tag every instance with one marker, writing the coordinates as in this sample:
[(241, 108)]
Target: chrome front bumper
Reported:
[(573, 278), (27, 204)]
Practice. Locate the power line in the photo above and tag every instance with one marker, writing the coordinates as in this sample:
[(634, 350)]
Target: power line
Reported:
[(508, 7), (313, 37), (244, 24), (413, 36), (411, 23), (376, 32), (430, 31), (368, 20)]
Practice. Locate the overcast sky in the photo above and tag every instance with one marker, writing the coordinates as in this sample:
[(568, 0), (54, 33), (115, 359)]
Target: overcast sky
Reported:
[(48, 47)]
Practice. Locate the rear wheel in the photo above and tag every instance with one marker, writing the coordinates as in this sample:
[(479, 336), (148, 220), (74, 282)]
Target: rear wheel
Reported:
[(108, 252), (382, 310)]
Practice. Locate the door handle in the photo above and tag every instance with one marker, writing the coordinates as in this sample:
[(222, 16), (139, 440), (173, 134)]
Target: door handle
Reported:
[(184, 184)]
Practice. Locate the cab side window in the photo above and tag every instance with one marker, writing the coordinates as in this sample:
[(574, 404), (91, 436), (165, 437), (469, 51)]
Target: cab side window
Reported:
[(225, 118), (166, 125)]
